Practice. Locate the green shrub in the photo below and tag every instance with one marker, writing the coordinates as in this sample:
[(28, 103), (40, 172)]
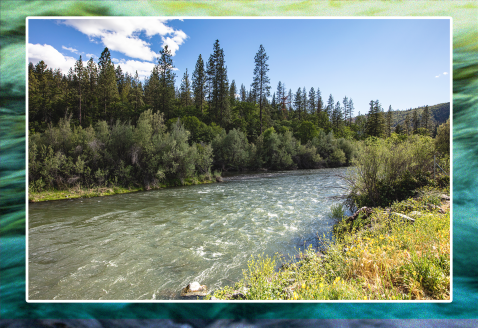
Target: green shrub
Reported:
[(337, 211), (388, 170)]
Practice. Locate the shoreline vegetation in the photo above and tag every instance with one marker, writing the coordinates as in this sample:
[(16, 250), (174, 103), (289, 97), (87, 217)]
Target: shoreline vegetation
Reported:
[(99, 191), (78, 192)]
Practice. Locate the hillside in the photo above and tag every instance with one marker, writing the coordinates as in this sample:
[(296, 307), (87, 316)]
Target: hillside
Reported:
[(439, 113)]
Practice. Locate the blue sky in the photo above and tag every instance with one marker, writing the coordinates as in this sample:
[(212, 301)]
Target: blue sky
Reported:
[(404, 63)]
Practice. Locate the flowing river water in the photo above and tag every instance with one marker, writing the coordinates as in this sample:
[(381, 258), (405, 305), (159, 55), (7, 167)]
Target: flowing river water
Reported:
[(149, 245)]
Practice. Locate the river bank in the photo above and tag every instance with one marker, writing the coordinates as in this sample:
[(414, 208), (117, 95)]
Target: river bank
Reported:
[(375, 256), (99, 191)]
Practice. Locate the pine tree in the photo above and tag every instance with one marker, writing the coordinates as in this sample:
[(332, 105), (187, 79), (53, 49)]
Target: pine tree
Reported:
[(120, 79), (243, 93), (261, 82), (298, 102), (251, 96), (135, 97), (337, 117), (345, 101), (415, 121), (210, 74), (375, 123), (166, 81), (232, 93), (126, 88), (218, 86), (290, 101), (91, 94), (320, 103), (151, 90), (185, 90), (199, 84), (280, 92), (426, 118), (312, 103), (389, 120), (330, 107), (380, 118), (351, 109), (81, 81), (304, 101), (107, 86)]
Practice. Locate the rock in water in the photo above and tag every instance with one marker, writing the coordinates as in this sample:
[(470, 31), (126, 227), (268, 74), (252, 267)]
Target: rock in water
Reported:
[(194, 289)]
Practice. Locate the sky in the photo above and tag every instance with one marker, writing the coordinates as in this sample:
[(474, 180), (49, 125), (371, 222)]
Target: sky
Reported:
[(403, 63)]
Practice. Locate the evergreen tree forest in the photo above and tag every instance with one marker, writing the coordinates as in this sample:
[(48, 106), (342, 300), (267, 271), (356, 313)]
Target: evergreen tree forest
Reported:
[(97, 125)]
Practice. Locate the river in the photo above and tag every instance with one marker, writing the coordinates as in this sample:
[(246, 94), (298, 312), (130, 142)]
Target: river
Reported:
[(148, 245)]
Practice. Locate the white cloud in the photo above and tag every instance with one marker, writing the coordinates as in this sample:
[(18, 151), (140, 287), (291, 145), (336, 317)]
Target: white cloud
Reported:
[(70, 49), (122, 34), (52, 57), (437, 76), (91, 55), (445, 73), (131, 66)]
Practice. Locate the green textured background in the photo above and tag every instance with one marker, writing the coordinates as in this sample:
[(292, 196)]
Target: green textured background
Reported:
[(12, 160)]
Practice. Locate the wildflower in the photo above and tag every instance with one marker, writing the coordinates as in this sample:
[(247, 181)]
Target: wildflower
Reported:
[(303, 286), (321, 285)]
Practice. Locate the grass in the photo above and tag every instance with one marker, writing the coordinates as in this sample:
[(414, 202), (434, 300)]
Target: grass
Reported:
[(383, 259), (82, 192), (337, 211)]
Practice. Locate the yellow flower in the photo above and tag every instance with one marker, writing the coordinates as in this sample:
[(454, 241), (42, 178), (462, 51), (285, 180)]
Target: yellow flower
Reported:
[(303, 286), (321, 285), (365, 298)]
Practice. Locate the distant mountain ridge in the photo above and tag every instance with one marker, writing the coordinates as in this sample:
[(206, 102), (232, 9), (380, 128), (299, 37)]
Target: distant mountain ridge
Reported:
[(439, 114)]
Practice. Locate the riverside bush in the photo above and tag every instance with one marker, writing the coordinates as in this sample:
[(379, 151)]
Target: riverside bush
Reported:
[(389, 170), (145, 155), (337, 211)]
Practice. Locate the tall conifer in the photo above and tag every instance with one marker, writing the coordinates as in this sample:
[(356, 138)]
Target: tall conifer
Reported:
[(81, 81), (107, 80), (185, 90), (261, 82), (166, 81), (199, 84), (312, 101)]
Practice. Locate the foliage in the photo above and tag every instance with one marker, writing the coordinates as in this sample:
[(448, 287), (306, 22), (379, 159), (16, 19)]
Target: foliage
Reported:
[(442, 141), (389, 170), (144, 155), (337, 211)]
